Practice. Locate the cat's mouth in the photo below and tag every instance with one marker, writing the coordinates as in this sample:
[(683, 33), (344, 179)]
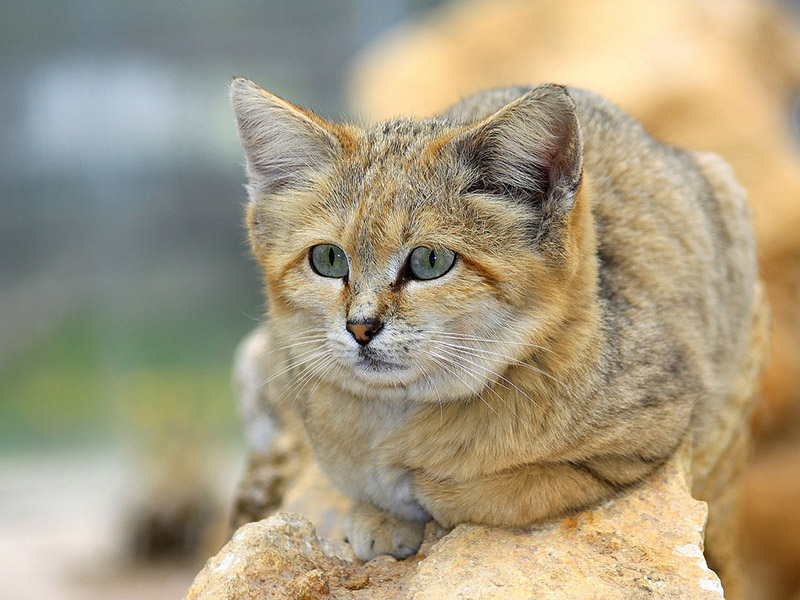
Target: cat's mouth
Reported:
[(373, 368), (371, 363)]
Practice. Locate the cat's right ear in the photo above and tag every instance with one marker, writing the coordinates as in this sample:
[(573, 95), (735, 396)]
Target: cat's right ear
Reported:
[(282, 143), (531, 150)]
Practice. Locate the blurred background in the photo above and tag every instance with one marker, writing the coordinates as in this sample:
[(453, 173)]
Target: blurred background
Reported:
[(125, 281)]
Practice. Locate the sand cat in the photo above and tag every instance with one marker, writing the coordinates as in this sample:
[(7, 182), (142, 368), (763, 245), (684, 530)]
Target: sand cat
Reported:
[(501, 314)]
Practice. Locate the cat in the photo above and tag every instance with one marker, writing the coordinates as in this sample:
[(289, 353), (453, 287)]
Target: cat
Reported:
[(502, 314)]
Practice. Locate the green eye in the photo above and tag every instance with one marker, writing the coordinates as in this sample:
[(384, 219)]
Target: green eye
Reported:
[(328, 260), (430, 263)]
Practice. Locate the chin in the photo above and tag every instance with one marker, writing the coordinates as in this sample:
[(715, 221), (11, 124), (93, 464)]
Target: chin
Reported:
[(378, 380), (404, 384)]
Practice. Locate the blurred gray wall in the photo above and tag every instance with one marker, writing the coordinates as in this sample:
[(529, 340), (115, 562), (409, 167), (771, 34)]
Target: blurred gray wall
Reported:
[(120, 176)]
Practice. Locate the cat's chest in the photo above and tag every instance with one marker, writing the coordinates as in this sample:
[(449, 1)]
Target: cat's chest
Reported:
[(351, 439)]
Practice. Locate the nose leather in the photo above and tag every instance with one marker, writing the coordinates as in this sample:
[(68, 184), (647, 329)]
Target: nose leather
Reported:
[(364, 331)]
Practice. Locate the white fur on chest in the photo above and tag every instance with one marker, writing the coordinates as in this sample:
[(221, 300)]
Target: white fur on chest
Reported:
[(348, 436)]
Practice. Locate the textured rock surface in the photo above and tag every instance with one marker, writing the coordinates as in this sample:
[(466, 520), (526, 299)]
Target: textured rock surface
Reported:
[(281, 557), (646, 544)]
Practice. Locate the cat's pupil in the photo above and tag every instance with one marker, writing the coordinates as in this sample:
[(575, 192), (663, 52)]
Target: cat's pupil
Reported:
[(331, 256), (432, 258)]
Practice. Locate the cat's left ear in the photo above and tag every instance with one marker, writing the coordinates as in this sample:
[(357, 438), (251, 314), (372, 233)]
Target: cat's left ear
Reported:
[(284, 145), (530, 150)]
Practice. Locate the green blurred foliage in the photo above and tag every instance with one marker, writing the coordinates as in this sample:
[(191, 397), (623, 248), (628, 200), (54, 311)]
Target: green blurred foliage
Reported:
[(168, 379)]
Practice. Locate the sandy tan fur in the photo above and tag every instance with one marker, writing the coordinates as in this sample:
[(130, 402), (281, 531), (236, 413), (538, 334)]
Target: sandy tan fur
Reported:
[(601, 309)]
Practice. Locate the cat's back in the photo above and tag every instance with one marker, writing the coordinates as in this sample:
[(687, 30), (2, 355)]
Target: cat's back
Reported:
[(675, 246)]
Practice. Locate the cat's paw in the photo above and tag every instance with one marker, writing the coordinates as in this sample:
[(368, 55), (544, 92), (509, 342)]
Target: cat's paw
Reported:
[(372, 532)]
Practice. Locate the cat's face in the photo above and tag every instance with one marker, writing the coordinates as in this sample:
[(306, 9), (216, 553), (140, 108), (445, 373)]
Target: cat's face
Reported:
[(427, 272), (392, 275)]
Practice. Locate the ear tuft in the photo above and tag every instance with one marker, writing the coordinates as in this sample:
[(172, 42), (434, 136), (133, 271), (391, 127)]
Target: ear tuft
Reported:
[(530, 150), (283, 144)]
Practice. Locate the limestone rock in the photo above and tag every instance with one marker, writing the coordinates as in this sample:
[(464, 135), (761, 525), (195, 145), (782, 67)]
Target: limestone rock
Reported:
[(645, 544), (281, 557)]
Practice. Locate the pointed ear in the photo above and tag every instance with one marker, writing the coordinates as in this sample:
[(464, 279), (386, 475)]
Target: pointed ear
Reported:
[(529, 151), (283, 144)]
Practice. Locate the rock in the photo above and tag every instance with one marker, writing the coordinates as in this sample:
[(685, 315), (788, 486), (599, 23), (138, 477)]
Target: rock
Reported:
[(278, 557), (281, 557), (647, 543)]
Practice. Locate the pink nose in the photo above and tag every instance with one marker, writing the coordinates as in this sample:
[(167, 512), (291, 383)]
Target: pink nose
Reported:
[(364, 331)]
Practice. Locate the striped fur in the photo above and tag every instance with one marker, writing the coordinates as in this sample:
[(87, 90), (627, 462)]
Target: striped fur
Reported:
[(601, 311)]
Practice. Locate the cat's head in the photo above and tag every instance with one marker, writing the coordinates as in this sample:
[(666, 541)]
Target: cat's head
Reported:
[(414, 259)]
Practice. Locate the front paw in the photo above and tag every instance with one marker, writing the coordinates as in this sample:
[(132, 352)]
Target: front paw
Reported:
[(372, 532)]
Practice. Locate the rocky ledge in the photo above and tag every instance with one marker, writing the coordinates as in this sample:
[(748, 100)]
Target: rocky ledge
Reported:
[(645, 544)]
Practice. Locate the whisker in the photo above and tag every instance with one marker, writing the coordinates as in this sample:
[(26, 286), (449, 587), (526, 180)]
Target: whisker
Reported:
[(331, 365), (297, 383), (260, 320), (465, 370), (308, 373), (462, 337), (512, 360), (301, 341), (457, 355), (306, 357), (316, 373), (429, 379), (492, 372)]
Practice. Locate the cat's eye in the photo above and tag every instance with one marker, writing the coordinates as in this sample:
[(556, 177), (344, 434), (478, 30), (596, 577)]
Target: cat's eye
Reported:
[(430, 263), (328, 260)]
